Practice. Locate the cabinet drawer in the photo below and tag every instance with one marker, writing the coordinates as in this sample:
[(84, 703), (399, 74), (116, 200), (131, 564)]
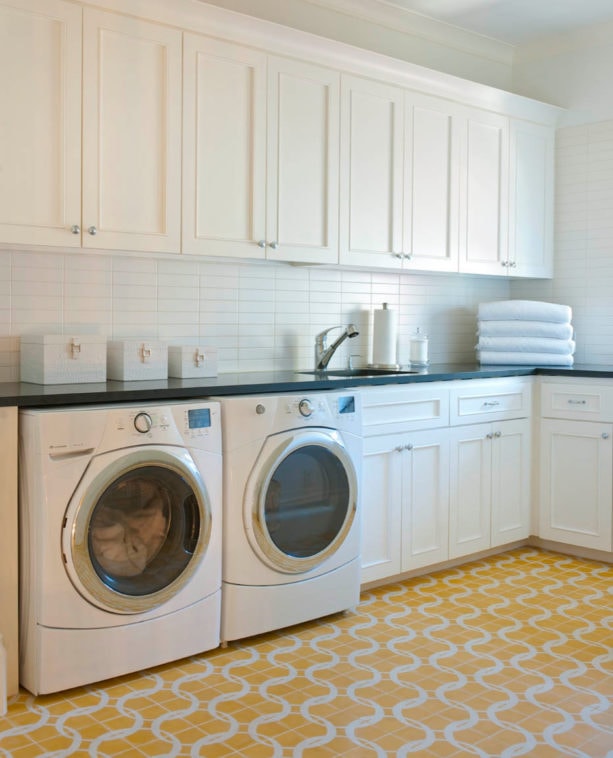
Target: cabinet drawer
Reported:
[(402, 409), (490, 400), (588, 402)]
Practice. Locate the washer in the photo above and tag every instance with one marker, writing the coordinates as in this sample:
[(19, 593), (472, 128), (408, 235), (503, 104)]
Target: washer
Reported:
[(120, 524), (291, 547)]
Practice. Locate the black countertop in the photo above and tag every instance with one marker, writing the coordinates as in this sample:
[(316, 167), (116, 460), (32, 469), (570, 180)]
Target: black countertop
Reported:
[(28, 395)]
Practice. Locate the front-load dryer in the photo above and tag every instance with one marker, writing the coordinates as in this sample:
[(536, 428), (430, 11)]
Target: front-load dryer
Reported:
[(291, 544), (120, 546)]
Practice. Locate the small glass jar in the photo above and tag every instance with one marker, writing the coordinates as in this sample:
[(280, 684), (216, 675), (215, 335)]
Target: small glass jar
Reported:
[(418, 349)]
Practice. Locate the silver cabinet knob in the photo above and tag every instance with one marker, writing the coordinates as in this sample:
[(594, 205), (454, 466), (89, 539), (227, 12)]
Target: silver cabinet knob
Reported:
[(489, 436), (92, 230), (497, 434), (273, 245), (605, 435), (75, 229), (262, 243), (399, 448), (408, 447)]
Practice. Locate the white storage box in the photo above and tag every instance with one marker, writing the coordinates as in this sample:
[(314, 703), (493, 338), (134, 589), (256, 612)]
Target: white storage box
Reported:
[(128, 360), (191, 361), (63, 359)]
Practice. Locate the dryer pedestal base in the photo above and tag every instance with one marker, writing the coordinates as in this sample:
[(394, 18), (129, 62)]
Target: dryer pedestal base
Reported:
[(249, 610), (58, 659)]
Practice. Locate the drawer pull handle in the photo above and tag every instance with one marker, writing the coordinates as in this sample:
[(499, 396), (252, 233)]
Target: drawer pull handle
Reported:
[(577, 402), (491, 403)]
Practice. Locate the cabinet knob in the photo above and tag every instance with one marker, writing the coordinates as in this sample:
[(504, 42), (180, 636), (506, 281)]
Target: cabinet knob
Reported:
[(407, 256), (489, 436), (92, 230), (408, 447), (398, 255), (273, 245), (497, 434), (605, 435), (399, 448), (262, 243), (513, 264), (75, 229)]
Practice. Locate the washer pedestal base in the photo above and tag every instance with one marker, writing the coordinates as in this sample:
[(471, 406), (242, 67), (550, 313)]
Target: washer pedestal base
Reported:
[(58, 659), (249, 610)]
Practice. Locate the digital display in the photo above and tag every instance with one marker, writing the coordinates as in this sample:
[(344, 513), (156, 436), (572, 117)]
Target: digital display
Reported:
[(346, 404), (198, 418)]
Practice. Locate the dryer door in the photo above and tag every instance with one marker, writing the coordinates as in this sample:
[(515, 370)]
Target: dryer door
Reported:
[(136, 528), (301, 499)]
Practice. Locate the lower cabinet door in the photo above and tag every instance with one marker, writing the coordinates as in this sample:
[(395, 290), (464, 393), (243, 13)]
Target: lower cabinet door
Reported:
[(425, 500), (470, 489), (576, 483)]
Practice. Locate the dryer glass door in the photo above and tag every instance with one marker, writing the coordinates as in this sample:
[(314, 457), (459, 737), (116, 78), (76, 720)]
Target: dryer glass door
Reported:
[(139, 531), (306, 502)]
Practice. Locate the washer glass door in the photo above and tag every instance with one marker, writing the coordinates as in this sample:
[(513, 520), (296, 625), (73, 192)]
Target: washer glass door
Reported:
[(139, 530), (306, 500)]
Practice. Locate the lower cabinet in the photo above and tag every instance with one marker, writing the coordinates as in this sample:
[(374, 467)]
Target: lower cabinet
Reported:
[(9, 580), (576, 482), (405, 492), (489, 501)]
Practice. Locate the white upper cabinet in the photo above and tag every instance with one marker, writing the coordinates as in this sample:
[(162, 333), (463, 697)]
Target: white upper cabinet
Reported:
[(371, 173), (260, 154), (302, 162), (40, 128), (431, 185), (484, 180), (131, 134), (224, 148), (531, 200)]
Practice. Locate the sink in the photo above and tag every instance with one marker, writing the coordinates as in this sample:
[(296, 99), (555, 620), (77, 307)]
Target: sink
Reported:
[(357, 372)]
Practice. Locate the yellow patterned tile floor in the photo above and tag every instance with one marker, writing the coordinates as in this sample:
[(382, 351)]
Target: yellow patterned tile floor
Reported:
[(509, 656)]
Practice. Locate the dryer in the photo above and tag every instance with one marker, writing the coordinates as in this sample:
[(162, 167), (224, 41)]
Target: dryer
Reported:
[(120, 546), (291, 545)]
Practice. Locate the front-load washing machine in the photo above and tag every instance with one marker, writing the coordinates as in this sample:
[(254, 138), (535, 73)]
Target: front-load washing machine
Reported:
[(291, 535), (120, 546)]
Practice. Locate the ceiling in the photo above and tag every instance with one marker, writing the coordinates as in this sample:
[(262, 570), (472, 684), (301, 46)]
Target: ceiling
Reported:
[(515, 22)]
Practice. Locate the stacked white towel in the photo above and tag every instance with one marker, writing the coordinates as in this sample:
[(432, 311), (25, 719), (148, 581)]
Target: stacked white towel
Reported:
[(525, 332)]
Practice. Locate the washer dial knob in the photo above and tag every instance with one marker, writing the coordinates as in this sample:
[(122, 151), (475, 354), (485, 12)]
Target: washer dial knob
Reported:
[(143, 423), (305, 407)]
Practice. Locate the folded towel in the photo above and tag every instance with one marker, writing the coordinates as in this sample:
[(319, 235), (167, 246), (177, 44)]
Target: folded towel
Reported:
[(525, 329), (524, 359), (527, 345), (527, 310)]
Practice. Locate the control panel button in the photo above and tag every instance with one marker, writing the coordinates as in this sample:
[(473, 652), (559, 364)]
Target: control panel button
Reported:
[(143, 423), (305, 407)]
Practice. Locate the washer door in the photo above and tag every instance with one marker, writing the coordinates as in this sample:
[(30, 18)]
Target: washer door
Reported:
[(136, 529), (301, 499)]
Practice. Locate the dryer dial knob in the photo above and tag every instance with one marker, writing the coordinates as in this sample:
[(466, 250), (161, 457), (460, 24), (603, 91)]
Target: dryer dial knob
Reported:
[(143, 423), (305, 407)]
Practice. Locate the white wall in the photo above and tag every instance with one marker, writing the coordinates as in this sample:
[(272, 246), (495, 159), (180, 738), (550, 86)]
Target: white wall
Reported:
[(571, 70), (259, 316), (583, 239)]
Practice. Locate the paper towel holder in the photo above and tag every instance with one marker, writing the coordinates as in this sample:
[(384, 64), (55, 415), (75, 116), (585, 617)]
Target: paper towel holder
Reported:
[(384, 366)]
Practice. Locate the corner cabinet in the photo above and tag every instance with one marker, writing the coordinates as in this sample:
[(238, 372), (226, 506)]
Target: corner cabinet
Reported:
[(260, 154), (531, 190), (576, 482), (93, 111)]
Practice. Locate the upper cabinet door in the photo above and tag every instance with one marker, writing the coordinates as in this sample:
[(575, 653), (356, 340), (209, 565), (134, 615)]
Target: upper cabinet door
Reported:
[(40, 127), (224, 148), (431, 185), (531, 200), (131, 134), (371, 173), (484, 193), (302, 162)]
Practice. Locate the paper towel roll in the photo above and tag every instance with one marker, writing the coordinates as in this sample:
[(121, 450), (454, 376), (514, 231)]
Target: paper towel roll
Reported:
[(385, 337)]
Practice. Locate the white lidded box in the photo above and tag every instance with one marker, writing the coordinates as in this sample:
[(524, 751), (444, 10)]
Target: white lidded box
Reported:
[(128, 360), (62, 358), (191, 361)]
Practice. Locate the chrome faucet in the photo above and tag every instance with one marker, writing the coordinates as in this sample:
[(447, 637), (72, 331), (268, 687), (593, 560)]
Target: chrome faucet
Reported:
[(323, 353)]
